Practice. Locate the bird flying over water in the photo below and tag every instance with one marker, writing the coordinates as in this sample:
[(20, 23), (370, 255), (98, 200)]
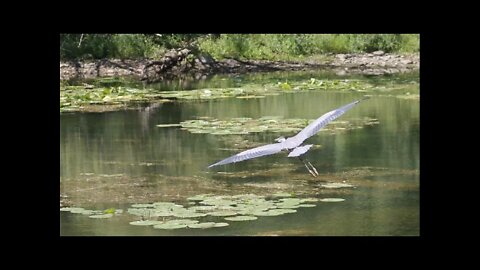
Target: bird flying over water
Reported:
[(292, 144)]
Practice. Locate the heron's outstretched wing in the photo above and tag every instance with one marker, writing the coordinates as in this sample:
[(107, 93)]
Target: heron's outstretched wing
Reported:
[(265, 150), (322, 121)]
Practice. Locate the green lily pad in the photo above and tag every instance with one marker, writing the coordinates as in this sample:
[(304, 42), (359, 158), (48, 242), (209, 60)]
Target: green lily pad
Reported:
[(243, 197), (168, 206), (291, 200), (249, 97), (222, 213), (202, 208), (307, 205), (220, 224), (182, 221), (241, 218), (161, 213), (200, 197), (282, 194), (336, 185), (143, 205), (169, 226), (268, 213), (69, 209), (286, 210), (102, 216), (207, 225), (332, 200), (189, 215), (77, 211), (90, 212), (288, 206), (217, 202), (146, 222)]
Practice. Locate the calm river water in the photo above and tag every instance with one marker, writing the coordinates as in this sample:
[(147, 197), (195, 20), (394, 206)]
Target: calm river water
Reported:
[(116, 159)]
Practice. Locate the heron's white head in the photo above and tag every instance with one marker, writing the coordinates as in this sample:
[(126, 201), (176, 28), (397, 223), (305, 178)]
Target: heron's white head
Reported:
[(280, 139)]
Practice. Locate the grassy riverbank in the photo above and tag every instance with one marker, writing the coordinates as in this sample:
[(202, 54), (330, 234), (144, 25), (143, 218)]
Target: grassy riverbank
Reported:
[(241, 46)]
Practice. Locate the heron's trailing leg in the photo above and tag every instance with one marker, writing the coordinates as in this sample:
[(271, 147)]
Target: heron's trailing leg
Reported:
[(314, 174), (315, 170)]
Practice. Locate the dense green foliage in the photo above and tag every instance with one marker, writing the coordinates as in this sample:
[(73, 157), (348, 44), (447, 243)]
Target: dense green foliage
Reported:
[(294, 46), (96, 46), (244, 46)]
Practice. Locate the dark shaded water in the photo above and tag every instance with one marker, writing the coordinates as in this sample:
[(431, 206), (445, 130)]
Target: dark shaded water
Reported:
[(115, 159)]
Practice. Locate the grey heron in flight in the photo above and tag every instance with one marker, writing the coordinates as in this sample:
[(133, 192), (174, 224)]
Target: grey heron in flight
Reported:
[(292, 144)]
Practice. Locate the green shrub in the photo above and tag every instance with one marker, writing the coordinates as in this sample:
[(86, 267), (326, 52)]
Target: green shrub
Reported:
[(241, 46)]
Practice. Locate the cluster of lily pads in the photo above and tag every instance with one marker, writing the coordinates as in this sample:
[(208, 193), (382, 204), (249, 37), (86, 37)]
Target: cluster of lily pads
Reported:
[(237, 126), (234, 208), (262, 90), (108, 213), (326, 84), (217, 93), (74, 98), (116, 91), (209, 208)]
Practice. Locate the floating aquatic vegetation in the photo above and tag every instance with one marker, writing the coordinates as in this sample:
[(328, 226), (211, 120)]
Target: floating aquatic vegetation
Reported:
[(325, 84), (336, 185), (239, 207), (207, 225), (142, 205), (200, 197), (286, 210), (85, 98), (332, 200), (241, 218), (70, 209), (262, 90), (89, 212), (77, 211), (117, 93), (102, 216), (92, 213), (307, 205), (170, 226), (282, 194), (222, 213), (202, 207), (291, 200), (221, 224), (181, 221), (238, 126), (249, 97), (164, 205), (269, 213), (287, 206), (217, 202), (188, 215)]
